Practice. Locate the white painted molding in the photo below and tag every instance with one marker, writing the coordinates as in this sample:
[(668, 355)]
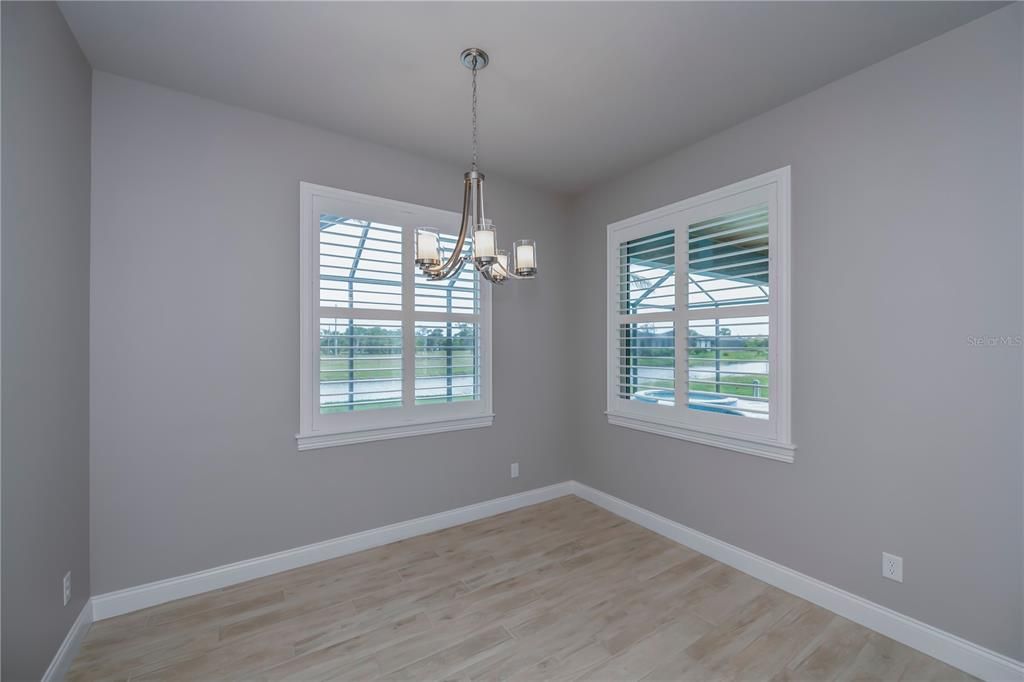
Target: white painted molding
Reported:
[(313, 441), (949, 648), (134, 598), (61, 662), (781, 452)]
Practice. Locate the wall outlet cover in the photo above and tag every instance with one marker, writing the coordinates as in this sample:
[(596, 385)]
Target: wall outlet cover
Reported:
[(892, 567), (515, 470), (67, 588)]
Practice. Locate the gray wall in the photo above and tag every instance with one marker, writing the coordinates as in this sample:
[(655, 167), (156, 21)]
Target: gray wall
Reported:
[(45, 388), (195, 334), (906, 240)]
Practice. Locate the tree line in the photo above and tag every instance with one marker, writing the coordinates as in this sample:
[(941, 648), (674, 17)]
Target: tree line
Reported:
[(367, 340)]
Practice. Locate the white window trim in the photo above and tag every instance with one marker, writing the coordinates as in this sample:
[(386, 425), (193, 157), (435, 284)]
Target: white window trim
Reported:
[(671, 422), (408, 420)]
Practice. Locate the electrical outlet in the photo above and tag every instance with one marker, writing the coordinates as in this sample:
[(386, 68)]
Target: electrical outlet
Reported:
[(892, 567), (67, 588), (515, 470)]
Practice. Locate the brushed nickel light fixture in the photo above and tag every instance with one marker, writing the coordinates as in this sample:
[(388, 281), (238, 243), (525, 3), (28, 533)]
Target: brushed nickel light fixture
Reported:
[(493, 263)]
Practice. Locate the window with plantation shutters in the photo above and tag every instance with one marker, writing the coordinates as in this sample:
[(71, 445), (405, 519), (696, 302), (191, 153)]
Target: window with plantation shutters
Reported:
[(385, 352), (698, 344)]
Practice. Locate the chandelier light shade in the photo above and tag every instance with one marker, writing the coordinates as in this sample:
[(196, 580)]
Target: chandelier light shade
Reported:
[(496, 265), (526, 257), (428, 248)]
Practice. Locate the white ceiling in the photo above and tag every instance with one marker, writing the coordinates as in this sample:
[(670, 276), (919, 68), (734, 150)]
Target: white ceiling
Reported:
[(576, 92)]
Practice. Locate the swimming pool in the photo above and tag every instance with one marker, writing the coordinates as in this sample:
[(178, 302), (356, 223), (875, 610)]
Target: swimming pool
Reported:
[(666, 396), (699, 400)]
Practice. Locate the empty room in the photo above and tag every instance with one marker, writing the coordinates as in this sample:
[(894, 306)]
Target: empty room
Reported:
[(512, 341)]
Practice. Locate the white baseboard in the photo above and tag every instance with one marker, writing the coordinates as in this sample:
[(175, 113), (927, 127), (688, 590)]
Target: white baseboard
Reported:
[(134, 598), (956, 651), (61, 663)]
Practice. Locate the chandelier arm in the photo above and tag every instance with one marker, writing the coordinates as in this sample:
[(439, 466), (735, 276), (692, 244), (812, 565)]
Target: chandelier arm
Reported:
[(486, 272), (444, 271), (458, 268), (509, 274), (455, 271)]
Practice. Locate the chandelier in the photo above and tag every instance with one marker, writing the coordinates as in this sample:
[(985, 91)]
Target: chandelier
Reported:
[(490, 261)]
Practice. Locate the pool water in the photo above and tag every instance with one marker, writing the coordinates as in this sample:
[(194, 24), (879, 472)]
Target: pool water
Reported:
[(662, 395)]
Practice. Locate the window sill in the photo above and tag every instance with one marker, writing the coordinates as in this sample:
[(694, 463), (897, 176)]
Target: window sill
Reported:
[(782, 452), (313, 441)]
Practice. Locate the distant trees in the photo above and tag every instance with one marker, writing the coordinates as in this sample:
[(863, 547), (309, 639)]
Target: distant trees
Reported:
[(436, 338), (336, 341), (651, 344), (366, 340)]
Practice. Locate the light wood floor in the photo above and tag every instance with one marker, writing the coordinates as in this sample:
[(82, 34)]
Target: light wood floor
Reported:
[(561, 590)]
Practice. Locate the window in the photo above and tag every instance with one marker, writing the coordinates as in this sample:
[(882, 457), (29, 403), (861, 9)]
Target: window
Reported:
[(698, 307), (385, 352)]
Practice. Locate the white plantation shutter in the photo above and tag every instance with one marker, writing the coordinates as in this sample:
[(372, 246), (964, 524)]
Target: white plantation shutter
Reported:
[(727, 356), (447, 362), (361, 274), (647, 274), (727, 362), (713, 370), (360, 364), (646, 328), (448, 349), (728, 259), (360, 264), (386, 352)]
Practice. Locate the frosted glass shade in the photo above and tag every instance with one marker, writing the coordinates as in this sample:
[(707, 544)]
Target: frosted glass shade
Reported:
[(526, 258), (428, 247), (485, 243)]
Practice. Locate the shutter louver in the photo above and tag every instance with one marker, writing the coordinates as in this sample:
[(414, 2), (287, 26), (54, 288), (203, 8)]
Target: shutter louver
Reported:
[(447, 362), (646, 341), (647, 274), (448, 350), (360, 364), (727, 357), (360, 275), (360, 264), (727, 360), (728, 260), (647, 365)]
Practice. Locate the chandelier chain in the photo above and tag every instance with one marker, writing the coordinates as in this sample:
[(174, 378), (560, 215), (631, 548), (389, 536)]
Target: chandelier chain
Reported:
[(475, 133)]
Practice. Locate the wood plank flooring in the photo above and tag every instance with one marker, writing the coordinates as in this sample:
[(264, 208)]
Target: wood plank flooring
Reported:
[(561, 590)]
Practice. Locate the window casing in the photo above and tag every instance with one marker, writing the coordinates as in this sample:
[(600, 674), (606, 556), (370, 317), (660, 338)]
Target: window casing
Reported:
[(698, 305), (384, 353)]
